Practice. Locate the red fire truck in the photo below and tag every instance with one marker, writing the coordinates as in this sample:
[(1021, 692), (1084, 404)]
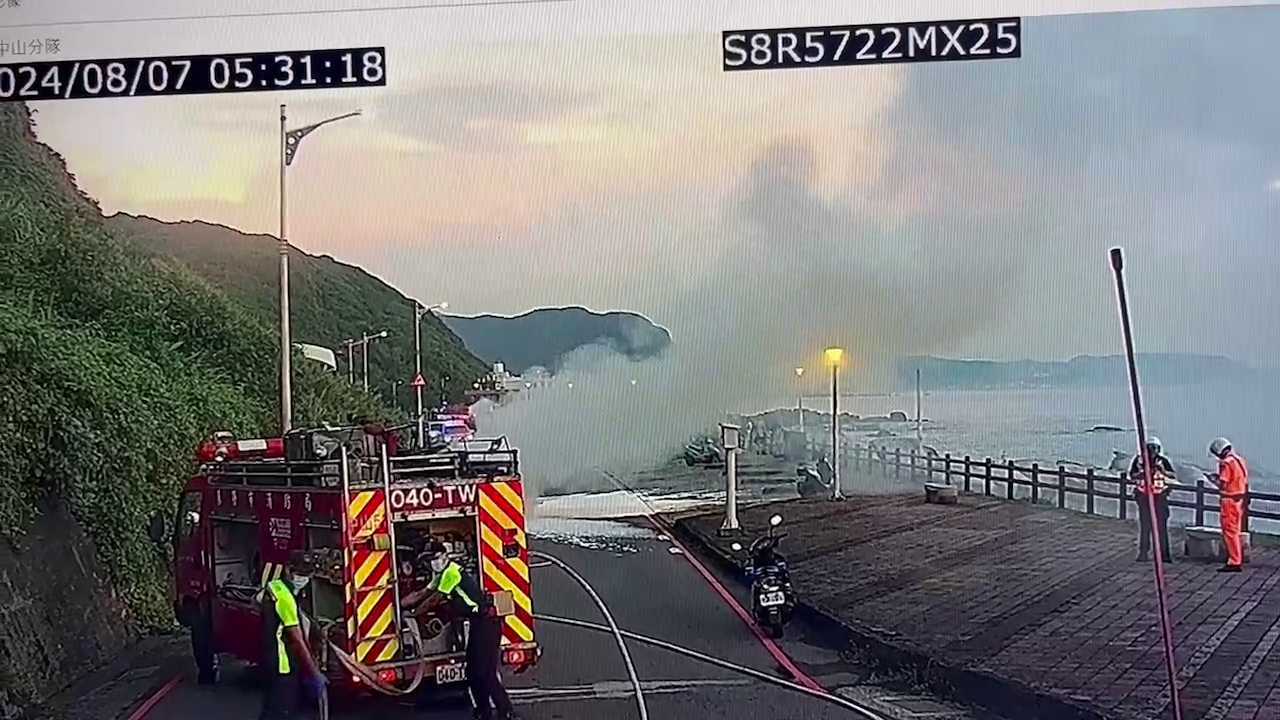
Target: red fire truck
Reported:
[(346, 496)]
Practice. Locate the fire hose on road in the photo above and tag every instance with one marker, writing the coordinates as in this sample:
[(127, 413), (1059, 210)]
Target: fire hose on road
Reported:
[(612, 626), (370, 678)]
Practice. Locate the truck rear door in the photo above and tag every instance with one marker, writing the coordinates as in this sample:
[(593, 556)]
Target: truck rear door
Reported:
[(504, 556)]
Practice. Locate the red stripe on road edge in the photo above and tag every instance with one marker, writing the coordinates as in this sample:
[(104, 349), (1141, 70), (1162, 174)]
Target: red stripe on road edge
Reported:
[(155, 699), (732, 602)]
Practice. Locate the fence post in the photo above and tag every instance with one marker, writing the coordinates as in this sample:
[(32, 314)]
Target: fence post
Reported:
[(967, 472), (1124, 506), (897, 463), (1089, 490), (986, 479), (1008, 483), (1244, 521), (946, 466), (1035, 483), (1062, 487), (1200, 502)]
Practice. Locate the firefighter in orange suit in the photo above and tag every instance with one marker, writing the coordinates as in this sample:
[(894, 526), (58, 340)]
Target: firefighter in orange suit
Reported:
[(1233, 489)]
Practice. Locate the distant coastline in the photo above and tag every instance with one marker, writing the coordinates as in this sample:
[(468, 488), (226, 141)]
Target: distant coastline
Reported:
[(1082, 371)]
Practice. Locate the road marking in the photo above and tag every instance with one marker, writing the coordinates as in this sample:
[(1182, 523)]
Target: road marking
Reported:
[(155, 699), (772, 647), (608, 689), (614, 690), (769, 645)]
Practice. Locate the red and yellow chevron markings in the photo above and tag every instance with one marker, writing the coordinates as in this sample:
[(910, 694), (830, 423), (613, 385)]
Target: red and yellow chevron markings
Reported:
[(504, 554), (370, 591), (367, 514)]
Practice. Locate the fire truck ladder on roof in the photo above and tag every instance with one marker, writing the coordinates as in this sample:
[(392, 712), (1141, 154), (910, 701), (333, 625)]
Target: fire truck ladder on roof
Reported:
[(475, 460), (372, 587)]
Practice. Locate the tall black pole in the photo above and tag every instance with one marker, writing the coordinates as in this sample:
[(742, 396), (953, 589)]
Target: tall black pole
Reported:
[(1117, 265)]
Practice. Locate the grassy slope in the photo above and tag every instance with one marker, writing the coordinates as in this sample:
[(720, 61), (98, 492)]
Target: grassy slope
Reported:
[(331, 301)]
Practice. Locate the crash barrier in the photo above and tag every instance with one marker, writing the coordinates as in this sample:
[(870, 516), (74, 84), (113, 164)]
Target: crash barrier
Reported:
[(1090, 491)]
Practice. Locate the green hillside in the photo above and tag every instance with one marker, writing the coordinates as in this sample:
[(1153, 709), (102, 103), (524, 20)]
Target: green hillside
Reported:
[(331, 301), (113, 367)]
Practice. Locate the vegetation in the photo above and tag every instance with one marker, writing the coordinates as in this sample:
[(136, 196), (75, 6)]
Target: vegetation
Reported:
[(331, 301), (113, 367)]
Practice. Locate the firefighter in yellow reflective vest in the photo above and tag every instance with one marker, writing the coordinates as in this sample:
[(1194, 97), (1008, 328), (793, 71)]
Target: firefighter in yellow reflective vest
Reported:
[(484, 641), (286, 658)]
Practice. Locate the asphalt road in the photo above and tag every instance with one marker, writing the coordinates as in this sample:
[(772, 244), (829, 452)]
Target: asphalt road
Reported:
[(650, 590)]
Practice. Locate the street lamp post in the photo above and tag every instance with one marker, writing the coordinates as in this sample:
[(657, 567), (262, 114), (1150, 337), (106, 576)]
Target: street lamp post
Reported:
[(289, 140), (833, 356), (395, 393), (364, 353), (418, 312), (800, 398)]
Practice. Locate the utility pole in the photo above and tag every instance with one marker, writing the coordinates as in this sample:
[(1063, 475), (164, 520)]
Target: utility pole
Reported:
[(364, 353), (349, 344), (919, 427), (286, 343), (417, 369), (418, 382)]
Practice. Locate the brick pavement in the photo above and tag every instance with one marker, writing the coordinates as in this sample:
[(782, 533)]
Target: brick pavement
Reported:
[(1039, 599)]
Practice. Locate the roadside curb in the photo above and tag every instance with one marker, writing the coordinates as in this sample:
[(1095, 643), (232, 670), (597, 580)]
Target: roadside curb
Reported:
[(973, 687)]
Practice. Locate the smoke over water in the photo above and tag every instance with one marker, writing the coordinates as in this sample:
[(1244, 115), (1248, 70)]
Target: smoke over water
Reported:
[(796, 272)]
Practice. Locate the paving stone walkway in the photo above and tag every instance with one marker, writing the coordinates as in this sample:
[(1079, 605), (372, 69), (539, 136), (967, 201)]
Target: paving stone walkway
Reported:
[(1040, 599)]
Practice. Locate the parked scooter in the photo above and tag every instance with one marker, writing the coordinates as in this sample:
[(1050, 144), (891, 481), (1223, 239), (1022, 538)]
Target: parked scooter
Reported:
[(772, 599)]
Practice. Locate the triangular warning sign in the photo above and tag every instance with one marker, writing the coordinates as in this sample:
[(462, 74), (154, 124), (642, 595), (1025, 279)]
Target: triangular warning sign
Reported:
[(418, 381)]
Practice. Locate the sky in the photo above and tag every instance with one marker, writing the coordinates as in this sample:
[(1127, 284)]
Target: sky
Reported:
[(596, 154)]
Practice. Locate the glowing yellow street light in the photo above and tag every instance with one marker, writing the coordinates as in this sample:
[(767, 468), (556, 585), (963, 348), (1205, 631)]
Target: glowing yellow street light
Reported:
[(833, 355)]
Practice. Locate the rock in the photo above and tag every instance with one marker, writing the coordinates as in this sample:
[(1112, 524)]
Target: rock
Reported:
[(941, 494)]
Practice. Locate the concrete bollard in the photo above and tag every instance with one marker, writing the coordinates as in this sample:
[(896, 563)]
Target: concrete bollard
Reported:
[(1205, 543)]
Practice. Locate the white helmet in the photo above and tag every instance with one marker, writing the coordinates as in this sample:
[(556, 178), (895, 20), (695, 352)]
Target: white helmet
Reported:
[(1220, 447), (1153, 444)]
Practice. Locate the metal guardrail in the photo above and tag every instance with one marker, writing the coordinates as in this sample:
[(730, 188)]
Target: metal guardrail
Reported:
[(1057, 482)]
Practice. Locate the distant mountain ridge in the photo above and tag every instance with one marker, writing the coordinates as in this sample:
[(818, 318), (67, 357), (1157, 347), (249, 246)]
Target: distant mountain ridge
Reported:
[(1079, 371), (543, 337)]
